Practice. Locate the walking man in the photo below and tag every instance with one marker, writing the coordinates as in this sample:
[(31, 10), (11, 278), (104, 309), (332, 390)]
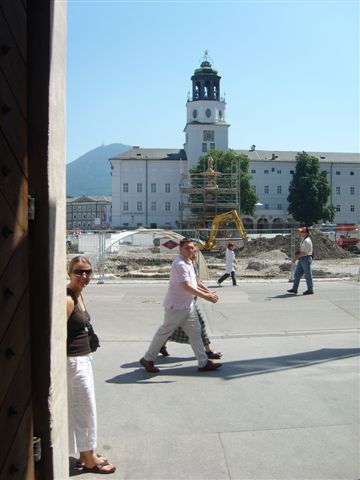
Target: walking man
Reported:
[(230, 264), (180, 310), (304, 260)]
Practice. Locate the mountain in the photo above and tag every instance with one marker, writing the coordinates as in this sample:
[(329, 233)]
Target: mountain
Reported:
[(90, 174)]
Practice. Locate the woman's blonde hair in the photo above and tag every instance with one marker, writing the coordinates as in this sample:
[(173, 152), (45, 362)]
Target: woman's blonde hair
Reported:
[(76, 260)]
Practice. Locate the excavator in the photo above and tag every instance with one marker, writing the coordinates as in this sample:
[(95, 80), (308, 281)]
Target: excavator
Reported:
[(217, 220)]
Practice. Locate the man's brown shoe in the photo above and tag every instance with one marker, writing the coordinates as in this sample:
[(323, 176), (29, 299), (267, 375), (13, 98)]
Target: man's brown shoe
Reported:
[(209, 366), (149, 366)]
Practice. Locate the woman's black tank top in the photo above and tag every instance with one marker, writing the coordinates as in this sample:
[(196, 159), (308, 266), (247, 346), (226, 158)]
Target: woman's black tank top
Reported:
[(77, 343)]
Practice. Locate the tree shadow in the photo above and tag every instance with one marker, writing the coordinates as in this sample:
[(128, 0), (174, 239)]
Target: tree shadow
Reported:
[(239, 368)]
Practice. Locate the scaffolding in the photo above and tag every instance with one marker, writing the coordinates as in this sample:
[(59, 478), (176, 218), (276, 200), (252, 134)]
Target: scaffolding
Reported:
[(209, 193)]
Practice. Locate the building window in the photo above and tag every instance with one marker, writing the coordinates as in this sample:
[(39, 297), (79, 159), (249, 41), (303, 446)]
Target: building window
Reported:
[(125, 187), (338, 172), (254, 188), (337, 190), (167, 187), (279, 206), (89, 215), (153, 188), (338, 208), (266, 206), (266, 171), (167, 206), (212, 146), (139, 206), (79, 208), (204, 147), (266, 189), (139, 188), (208, 136), (153, 206), (253, 171), (352, 190), (125, 206), (278, 171), (291, 172), (278, 189), (351, 173), (352, 208)]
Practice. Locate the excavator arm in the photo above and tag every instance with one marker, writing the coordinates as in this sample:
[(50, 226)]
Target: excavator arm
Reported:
[(218, 219)]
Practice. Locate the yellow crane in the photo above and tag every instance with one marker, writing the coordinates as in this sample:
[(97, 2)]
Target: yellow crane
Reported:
[(217, 220)]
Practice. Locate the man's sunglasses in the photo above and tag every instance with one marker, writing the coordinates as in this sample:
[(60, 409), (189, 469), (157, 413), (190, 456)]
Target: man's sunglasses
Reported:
[(80, 272)]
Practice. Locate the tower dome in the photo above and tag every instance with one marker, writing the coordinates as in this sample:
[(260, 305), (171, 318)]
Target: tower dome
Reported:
[(205, 81)]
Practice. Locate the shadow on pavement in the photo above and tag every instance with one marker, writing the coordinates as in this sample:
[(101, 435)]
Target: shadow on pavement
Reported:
[(284, 295), (160, 360), (73, 471), (238, 368)]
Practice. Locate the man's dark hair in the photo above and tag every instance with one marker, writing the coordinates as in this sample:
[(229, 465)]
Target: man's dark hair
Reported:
[(185, 240)]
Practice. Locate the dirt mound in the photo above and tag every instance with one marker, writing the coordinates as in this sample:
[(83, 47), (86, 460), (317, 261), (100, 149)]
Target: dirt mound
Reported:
[(323, 246)]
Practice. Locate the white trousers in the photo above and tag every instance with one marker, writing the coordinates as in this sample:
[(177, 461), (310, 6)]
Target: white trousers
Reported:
[(188, 320), (81, 404)]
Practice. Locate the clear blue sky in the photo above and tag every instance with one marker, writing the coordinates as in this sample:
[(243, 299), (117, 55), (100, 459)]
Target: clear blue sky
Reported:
[(290, 72)]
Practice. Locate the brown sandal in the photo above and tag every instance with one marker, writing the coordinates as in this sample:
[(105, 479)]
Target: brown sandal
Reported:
[(99, 468), (214, 355)]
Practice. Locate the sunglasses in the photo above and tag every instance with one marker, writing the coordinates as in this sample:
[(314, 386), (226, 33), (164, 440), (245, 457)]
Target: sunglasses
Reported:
[(80, 272)]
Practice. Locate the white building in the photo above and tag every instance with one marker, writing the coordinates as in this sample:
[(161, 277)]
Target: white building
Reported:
[(146, 182), (145, 187), (271, 175)]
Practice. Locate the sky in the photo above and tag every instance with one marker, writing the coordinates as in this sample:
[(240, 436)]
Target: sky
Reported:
[(289, 72)]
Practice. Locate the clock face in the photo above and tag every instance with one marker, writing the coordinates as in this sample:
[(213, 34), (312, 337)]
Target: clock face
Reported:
[(194, 113), (208, 112)]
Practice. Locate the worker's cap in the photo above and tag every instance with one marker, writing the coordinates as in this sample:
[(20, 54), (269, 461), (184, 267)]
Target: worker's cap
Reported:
[(304, 230)]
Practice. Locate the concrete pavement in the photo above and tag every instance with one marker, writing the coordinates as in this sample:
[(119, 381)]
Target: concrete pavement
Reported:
[(284, 405)]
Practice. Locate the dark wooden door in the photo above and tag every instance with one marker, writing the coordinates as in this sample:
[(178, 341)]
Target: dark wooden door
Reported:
[(16, 457)]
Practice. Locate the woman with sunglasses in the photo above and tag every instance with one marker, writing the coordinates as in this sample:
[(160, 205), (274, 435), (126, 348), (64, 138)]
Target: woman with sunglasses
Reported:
[(81, 394)]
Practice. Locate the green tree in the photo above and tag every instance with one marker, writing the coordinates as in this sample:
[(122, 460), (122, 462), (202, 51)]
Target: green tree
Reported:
[(235, 170), (309, 191)]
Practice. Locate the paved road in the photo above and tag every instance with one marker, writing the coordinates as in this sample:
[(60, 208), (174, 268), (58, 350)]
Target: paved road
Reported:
[(284, 406)]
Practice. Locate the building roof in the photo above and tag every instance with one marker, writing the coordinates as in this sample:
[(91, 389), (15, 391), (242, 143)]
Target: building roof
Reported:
[(286, 156), (89, 199), (137, 153)]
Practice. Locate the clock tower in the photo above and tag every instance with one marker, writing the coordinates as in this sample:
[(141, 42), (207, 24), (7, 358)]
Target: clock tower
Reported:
[(206, 128)]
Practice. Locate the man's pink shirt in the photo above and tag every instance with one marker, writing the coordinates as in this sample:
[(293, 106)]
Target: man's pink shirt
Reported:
[(176, 297)]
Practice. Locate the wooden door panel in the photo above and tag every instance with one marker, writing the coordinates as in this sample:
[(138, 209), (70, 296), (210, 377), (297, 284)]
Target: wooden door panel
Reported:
[(13, 181), (12, 234), (19, 463), (15, 15), (16, 402), (13, 284), (16, 396), (12, 123), (12, 346), (12, 64)]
